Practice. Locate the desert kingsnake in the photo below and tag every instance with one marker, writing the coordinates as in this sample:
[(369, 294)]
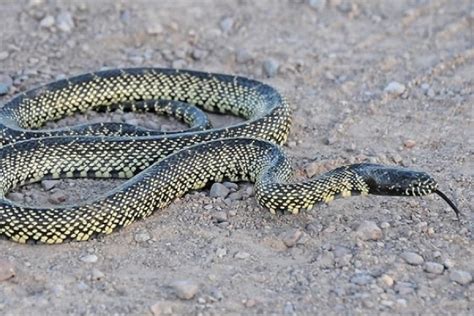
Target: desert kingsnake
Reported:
[(161, 167)]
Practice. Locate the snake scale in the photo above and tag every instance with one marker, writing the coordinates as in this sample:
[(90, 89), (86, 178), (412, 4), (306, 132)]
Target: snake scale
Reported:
[(162, 166)]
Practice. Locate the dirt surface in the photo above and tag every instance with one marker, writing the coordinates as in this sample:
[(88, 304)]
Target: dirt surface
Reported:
[(380, 81)]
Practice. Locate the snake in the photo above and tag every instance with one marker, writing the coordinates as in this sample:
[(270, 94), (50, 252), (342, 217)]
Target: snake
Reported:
[(158, 167)]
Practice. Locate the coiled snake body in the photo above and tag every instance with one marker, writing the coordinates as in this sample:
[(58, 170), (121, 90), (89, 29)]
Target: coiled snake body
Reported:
[(161, 167)]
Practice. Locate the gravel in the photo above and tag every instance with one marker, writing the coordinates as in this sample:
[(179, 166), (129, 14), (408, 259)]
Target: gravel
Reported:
[(369, 230), (185, 289), (461, 277), (412, 258)]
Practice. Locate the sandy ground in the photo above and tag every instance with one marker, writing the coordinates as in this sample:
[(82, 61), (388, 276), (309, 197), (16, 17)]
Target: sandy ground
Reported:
[(380, 81)]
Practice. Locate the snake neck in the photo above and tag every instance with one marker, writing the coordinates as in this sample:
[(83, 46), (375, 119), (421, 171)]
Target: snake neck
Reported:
[(275, 191)]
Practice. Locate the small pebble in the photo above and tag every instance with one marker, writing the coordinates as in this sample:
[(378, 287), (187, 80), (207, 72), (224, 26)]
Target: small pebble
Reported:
[(369, 230), (317, 4), (250, 303), (142, 237), (89, 258), (270, 67), (185, 289), (289, 308), (97, 275), (231, 185), (412, 258), (198, 54), (242, 255), (57, 198), (216, 294), (47, 21), (387, 280), (290, 238), (219, 190), (394, 88), (221, 252), (6, 83), (154, 28), (326, 261), (49, 184), (433, 267), (7, 270), (4, 55), (461, 277), (235, 196), (226, 24), (65, 22), (243, 56), (16, 196), (362, 279), (220, 216), (448, 263), (313, 168), (409, 143), (161, 308), (404, 288), (82, 286), (179, 63)]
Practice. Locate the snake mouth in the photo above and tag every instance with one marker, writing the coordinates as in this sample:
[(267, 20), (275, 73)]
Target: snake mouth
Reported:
[(450, 203)]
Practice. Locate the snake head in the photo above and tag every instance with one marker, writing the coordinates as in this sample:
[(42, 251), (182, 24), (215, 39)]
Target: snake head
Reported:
[(384, 180)]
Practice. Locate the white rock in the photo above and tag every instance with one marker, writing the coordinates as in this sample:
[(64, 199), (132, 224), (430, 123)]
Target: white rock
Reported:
[(242, 255), (89, 258), (395, 88), (47, 21)]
